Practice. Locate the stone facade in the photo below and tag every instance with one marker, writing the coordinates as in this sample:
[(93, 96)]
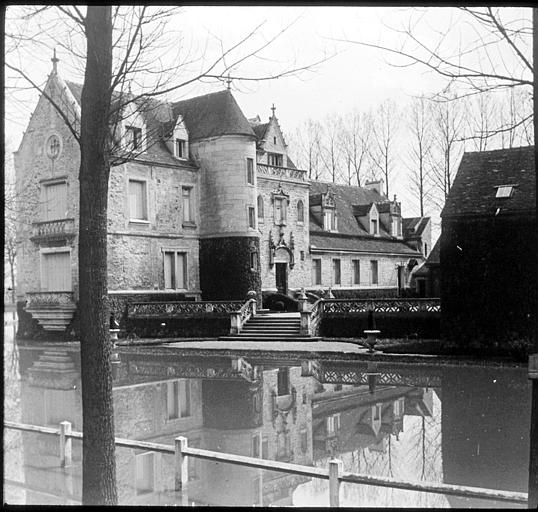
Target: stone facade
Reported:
[(208, 214)]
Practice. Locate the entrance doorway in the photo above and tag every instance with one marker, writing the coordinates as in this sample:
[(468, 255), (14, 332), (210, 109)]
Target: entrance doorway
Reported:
[(281, 271)]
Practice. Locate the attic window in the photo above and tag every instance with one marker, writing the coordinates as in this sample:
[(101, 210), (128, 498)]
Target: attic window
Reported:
[(504, 191), (134, 137), (181, 148)]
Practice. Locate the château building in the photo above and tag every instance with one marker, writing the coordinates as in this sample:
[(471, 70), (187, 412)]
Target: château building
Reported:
[(204, 204)]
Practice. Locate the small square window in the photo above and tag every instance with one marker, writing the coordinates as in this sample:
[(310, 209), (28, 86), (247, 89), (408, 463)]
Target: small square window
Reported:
[(504, 191)]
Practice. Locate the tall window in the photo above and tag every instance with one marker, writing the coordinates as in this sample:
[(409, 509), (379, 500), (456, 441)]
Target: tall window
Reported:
[(374, 277), (356, 272), (138, 200), (425, 249), (178, 399), (280, 210), (256, 445), (316, 271), (329, 220), (56, 272), (337, 279), (181, 148), (145, 473), (251, 217), (175, 270), (300, 211), (333, 424), (133, 136), (54, 197), (188, 212), (283, 381), (260, 207), (275, 159), (374, 228), (253, 260), (250, 171)]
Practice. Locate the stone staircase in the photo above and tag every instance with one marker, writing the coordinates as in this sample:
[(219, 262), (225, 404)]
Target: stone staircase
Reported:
[(271, 327)]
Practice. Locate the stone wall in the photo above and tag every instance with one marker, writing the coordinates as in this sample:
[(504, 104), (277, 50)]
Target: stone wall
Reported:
[(32, 168), (488, 293), (387, 271), (299, 276)]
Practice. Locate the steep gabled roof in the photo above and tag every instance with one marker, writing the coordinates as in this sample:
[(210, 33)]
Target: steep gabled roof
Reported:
[(346, 197), (260, 129), (212, 115), (433, 257), (479, 175), (414, 226)]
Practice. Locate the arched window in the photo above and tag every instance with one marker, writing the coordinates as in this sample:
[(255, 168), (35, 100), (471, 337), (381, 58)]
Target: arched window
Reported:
[(260, 207), (300, 211)]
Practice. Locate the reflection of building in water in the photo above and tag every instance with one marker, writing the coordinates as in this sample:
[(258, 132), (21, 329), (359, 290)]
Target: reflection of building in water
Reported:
[(222, 404)]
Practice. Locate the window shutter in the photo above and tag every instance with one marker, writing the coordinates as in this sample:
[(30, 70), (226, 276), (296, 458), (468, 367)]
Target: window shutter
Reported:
[(56, 272)]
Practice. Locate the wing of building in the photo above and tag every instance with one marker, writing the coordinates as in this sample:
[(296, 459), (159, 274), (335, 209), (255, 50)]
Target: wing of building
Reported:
[(204, 204), (489, 248)]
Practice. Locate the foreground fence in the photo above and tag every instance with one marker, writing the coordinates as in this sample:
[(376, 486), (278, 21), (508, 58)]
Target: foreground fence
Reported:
[(334, 473)]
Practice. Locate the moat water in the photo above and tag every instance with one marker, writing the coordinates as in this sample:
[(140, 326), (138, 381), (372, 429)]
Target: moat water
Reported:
[(461, 424)]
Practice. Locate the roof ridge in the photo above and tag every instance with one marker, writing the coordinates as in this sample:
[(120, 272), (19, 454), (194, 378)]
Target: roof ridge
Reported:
[(499, 150)]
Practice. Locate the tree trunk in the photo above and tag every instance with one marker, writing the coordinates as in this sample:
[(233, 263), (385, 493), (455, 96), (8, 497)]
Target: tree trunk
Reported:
[(99, 463)]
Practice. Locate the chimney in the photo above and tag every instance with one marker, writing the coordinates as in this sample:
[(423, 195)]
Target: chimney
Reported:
[(377, 185)]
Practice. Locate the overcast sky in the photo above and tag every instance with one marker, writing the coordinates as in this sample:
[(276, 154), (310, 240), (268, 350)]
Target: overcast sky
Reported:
[(353, 77)]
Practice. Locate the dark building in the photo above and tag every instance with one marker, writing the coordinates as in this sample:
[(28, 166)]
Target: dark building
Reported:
[(426, 279), (488, 249)]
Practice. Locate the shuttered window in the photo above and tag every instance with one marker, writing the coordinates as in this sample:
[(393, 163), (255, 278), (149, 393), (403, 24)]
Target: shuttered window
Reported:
[(138, 200), (374, 278), (56, 272), (175, 270), (337, 278), (356, 272), (316, 271), (55, 201)]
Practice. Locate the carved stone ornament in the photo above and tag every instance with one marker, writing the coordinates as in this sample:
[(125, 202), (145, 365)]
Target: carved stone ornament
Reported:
[(281, 245), (53, 147), (279, 192)]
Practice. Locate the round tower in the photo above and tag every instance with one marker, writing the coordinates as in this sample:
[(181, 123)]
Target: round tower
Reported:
[(223, 144)]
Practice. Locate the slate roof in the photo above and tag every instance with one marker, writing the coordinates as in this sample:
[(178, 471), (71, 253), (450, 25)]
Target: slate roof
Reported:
[(474, 188), (345, 197), (158, 115), (326, 240), (260, 129), (414, 226), (433, 257), (212, 115)]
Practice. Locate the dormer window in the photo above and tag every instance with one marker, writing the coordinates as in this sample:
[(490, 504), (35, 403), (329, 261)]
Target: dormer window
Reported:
[(504, 191), (180, 148), (133, 136), (275, 159), (329, 219), (374, 227)]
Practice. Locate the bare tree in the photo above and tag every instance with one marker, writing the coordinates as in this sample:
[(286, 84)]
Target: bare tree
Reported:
[(420, 153), (447, 130), (307, 147), (384, 133), (330, 147), (356, 131), (120, 49)]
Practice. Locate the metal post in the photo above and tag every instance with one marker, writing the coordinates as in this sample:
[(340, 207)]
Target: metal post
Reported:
[(336, 468), (65, 444), (181, 462)]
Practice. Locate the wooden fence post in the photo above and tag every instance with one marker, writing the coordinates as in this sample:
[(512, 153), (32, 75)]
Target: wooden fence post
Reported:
[(181, 462), (336, 468), (65, 444)]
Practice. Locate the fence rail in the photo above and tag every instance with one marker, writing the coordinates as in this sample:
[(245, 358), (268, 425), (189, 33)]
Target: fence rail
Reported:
[(334, 473)]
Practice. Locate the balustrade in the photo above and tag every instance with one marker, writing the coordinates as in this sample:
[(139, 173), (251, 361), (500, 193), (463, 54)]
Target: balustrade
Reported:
[(346, 306), (60, 228), (238, 318), (36, 299), (180, 309), (281, 172)]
